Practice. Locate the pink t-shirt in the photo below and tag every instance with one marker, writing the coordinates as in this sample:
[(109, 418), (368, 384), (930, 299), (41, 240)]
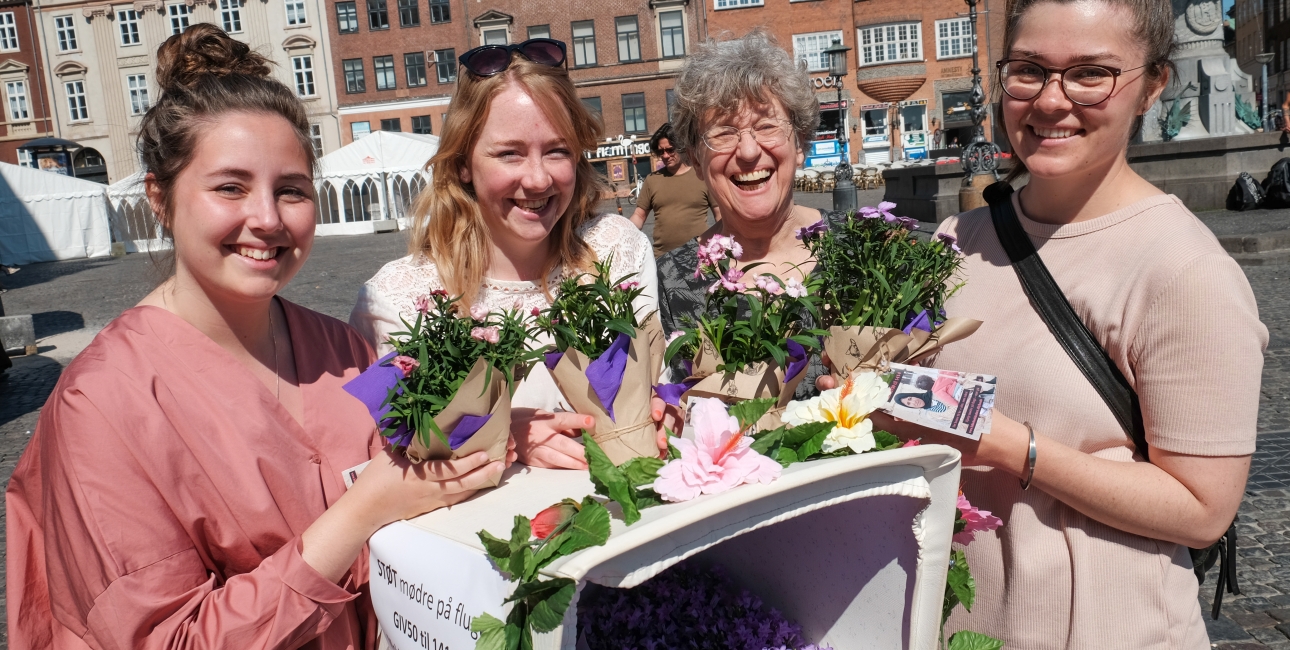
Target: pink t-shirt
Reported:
[(1176, 314), (161, 500)]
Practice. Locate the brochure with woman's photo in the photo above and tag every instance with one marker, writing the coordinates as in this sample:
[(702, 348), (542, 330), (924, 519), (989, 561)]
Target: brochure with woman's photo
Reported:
[(960, 403)]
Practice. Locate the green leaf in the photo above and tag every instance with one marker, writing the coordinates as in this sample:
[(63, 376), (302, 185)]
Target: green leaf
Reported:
[(785, 456), (966, 640), (491, 630), (498, 549), (885, 441), (548, 612), (749, 411), (814, 445), (614, 481), (960, 579), (672, 452), (796, 436), (590, 527), (641, 471), (521, 564), (764, 441)]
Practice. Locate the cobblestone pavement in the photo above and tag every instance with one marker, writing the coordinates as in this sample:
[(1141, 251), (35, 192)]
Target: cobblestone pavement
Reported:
[(70, 300)]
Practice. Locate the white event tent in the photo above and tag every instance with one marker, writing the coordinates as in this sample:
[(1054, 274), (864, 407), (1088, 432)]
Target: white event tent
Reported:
[(46, 216), (370, 180), (132, 218)]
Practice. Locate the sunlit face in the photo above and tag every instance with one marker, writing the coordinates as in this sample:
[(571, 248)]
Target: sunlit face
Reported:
[(667, 154), (913, 402), (1054, 137), (522, 169), (754, 181), (242, 212)]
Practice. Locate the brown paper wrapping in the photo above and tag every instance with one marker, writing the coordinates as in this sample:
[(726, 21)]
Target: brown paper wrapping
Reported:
[(876, 348), (631, 433), (475, 396), (755, 381)]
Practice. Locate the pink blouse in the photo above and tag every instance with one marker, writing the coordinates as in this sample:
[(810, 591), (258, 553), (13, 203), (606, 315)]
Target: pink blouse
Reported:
[(161, 500)]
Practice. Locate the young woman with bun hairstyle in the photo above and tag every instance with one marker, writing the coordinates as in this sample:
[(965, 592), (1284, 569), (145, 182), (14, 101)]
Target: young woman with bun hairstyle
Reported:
[(1093, 550), (509, 213), (184, 487)]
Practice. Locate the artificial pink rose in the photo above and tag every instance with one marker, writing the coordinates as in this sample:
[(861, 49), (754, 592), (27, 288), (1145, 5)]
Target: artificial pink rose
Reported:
[(977, 521), (406, 364), (422, 304), (720, 457), (490, 334)]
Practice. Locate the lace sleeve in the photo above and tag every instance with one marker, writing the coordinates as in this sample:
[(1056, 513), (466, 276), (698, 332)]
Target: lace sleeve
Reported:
[(389, 297), (631, 251)]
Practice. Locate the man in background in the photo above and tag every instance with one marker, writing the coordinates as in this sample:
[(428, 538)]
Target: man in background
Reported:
[(676, 195)]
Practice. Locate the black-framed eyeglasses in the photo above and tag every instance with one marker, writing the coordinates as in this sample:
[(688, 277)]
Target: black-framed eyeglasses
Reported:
[(488, 60), (1084, 84)]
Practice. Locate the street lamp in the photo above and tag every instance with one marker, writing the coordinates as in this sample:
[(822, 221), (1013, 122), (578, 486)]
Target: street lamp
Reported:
[(1264, 58), (844, 190), (980, 157)]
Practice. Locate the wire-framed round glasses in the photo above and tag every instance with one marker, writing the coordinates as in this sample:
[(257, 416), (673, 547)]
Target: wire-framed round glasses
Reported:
[(724, 139), (1084, 84)]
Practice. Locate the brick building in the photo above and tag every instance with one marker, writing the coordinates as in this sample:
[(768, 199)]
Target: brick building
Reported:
[(910, 64), (396, 60), (22, 78)]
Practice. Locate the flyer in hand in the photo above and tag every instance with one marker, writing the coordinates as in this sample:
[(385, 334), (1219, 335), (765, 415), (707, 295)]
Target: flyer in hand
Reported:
[(960, 403)]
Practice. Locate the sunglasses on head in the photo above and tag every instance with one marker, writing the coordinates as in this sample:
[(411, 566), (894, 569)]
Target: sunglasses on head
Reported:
[(488, 60)]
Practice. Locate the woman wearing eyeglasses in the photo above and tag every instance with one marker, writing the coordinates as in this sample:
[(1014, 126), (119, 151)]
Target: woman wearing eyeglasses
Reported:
[(742, 117), (508, 214), (1093, 551)]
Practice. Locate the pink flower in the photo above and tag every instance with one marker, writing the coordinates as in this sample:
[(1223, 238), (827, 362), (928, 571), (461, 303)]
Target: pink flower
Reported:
[(911, 443), (731, 281), (422, 304), (545, 522), (794, 288), (628, 286), (720, 457), (674, 336), (977, 521), (769, 285), (479, 313), (535, 312), (486, 334), (406, 364)]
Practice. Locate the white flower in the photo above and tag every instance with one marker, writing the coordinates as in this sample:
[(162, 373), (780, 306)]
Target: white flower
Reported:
[(794, 288), (849, 405)]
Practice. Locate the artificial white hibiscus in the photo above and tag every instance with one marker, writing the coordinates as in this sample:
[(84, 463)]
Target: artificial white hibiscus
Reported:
[(849, 406)]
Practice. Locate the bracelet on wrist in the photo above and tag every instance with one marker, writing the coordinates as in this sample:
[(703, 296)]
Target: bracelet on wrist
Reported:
[(1031, 455)]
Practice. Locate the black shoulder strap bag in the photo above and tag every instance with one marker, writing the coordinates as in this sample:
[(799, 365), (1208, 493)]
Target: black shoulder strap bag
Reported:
[(1096, 365)]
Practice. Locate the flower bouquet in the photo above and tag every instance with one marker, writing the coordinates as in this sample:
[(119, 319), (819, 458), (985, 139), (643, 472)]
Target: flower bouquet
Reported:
[(606, 358), (445, 391), (751, 341), (883, 291)]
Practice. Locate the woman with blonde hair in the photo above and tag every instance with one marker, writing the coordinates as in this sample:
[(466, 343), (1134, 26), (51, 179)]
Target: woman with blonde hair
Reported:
[(509, 213)]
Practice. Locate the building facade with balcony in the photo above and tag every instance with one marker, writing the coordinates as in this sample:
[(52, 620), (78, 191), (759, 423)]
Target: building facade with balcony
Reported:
[(26, 109), (906, 94), (1248, 18), (102, 61)]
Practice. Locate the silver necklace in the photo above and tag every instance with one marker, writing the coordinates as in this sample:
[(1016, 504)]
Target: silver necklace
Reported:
[(277, 378)]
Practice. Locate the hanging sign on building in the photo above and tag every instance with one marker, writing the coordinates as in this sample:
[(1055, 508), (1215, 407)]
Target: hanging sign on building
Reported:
[(617, 150), (826, 82)]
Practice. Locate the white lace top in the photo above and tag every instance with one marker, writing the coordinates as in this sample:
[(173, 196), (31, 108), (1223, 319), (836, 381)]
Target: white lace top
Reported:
[(391, 293)]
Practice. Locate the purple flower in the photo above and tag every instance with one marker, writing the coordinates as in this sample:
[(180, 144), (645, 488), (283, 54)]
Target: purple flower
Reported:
[(907, 223), (812, 231), (950, 240), (731, 281)]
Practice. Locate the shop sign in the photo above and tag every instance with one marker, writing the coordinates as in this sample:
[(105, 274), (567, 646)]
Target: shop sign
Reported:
[(832, 106), (875, 107), (617, 150), (913, 102), (826, 82)]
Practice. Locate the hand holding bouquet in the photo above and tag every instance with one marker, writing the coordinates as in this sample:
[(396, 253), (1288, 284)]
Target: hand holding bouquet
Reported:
[(445, 392), (882, 290), (606, 359)]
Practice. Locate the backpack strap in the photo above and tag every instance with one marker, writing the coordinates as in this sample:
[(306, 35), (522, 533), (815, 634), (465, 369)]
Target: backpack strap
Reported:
[(1056, 312)]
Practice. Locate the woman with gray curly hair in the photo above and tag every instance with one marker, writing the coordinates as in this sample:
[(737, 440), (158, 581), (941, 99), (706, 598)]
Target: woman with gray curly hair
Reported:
[(744, 111)]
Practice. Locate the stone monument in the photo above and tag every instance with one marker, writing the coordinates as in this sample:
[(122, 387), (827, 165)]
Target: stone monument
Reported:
[(1208, 82)]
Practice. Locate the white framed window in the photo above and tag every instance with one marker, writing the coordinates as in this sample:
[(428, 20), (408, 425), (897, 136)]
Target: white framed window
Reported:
[(8, 32), (953, 38), (77, 111), (302, 67), (65, 29), (810, 48), (138, 86), (584, 43), (671, 30), (315, 136), (296, 12), (25, 159), (127, 21), (734, 4), (16, 91), (888, 43), (495, 36), (178, 18), (230, 14)]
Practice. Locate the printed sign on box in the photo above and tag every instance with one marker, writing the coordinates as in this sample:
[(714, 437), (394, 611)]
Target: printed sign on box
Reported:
[(960, 403)]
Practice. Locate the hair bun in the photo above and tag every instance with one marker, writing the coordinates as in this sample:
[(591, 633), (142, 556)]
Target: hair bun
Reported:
[(204, 49)]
